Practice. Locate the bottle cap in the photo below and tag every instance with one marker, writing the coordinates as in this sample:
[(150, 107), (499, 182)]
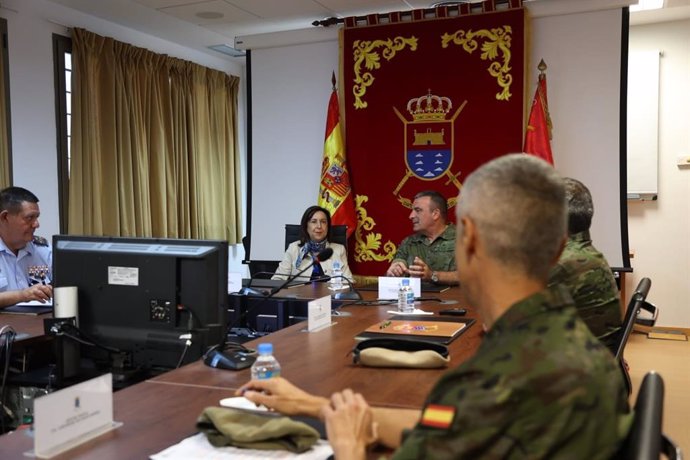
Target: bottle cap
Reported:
[(406, 282), (265, 348)]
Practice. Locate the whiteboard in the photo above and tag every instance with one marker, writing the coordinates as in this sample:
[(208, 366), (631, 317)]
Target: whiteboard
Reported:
[(643, 124)]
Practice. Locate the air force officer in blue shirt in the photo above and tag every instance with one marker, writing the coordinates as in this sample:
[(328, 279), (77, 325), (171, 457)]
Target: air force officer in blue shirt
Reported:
[(25, 259)]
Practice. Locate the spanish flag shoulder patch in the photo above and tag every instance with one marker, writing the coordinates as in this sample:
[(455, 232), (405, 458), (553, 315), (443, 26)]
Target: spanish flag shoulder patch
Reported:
[(438, 416)]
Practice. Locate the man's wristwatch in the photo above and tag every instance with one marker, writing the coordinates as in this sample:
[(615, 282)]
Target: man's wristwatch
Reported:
[(434, 277)]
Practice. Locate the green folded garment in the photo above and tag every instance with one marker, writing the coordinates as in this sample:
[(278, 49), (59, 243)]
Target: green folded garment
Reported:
[(232, 427)]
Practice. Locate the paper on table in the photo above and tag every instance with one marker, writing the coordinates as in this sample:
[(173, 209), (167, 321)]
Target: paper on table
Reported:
[(198, 448), (416, 311), (240, 402), (36, 303), (389, 285)]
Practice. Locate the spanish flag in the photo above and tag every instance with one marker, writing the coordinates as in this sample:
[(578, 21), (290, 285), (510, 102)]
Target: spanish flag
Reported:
[(438, 416), (538, 135), (335, 193)]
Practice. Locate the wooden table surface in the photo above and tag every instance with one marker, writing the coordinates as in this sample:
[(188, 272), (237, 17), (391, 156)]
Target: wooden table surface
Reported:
[(321, 362), (162, 411), (154, 416), (26, 324)]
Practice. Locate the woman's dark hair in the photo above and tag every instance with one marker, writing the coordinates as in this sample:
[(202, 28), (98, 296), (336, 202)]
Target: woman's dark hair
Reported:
[(306, 217)]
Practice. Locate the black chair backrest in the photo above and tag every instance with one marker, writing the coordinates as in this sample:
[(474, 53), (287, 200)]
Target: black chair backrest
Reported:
[(644, 441), (258, 268), (338, 234), (637, 301)]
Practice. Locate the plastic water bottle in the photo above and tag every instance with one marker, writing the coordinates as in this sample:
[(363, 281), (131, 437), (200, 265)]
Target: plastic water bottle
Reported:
[(266, 365), (405, 297), (336, 282)]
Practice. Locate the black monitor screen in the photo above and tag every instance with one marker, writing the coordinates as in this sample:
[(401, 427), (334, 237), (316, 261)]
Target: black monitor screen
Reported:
[(143, 295)]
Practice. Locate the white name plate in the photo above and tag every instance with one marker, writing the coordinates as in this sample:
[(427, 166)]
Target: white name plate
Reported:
[(71, 416), (319, 313), (389, 285)]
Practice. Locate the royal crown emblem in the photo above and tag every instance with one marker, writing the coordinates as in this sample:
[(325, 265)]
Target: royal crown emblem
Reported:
[(429, 107)]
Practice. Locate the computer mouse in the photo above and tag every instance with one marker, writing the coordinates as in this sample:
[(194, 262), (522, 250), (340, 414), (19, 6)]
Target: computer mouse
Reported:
[(232, 360)]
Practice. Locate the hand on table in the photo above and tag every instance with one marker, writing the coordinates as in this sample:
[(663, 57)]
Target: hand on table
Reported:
[(282, 396), (419, 269), (40, 292), (349, 425), (397, 269)]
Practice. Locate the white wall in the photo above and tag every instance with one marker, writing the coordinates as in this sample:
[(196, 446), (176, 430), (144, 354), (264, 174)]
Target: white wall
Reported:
[(582, 52), (660, 230), (31, 24), (290, 91)]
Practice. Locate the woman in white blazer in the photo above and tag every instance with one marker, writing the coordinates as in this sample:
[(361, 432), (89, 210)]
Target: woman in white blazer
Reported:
[(315, 232)]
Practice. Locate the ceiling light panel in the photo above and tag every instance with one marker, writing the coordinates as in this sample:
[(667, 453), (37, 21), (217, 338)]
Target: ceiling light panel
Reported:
[(644, 5)]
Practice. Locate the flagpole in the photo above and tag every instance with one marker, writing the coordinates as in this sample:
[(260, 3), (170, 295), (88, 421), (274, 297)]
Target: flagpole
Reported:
[(538, 129)]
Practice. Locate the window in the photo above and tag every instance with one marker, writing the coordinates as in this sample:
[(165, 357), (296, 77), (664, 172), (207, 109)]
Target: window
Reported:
[(5, 126), (62, 56)]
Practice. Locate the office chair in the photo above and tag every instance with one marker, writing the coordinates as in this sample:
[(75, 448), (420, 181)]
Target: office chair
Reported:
[(338, 234), (637, 303), (646, 441), (258, 268)]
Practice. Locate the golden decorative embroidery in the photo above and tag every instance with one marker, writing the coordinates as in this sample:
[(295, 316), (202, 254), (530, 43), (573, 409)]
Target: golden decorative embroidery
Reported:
[(365, 54), (367, 245), (497, 41)]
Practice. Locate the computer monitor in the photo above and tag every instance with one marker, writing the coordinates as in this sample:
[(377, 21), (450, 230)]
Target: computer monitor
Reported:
[(143, 295)]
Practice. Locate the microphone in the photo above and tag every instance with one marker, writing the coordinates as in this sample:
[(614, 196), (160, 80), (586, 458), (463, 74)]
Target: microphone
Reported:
[(350, 294), (215, 356), (249, 290), (322, 256)]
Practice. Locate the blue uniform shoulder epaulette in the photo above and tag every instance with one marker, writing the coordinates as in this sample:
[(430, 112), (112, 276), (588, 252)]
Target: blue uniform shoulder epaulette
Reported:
[(40, 241)]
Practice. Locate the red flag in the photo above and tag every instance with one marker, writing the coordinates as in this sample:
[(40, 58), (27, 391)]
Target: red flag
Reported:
[(538, 135), (335, 193)]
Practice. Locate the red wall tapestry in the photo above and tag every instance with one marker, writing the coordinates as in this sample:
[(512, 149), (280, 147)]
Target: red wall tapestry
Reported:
[(426, 102)]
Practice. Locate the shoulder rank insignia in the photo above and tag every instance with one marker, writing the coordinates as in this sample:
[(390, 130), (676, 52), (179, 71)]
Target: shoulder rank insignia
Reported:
[(40, 241), (438, 416)]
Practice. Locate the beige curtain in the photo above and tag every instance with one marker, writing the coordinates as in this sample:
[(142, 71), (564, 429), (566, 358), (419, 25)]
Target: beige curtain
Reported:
[(5, 173), (154, 146)]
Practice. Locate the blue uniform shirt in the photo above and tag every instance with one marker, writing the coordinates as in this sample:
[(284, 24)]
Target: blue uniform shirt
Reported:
[(32, 264)]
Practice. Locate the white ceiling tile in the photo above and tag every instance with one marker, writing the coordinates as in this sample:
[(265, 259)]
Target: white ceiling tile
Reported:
[(247, 17), (157, 4), (257, 27), (282, 9), (360, 7), (190, 12)]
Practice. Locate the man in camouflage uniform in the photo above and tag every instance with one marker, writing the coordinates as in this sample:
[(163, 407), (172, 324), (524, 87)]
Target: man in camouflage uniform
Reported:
[(540, 385), (25, 259), (584, 270), (429, 253)]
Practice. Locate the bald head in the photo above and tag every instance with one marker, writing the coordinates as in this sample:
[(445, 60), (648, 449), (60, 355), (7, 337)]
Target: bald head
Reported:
[(517, 203)]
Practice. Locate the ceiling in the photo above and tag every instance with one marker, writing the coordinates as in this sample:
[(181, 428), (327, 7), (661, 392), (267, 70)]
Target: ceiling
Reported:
[(199, 24)]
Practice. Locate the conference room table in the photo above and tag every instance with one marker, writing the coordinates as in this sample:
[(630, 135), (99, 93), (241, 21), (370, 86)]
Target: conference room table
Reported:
[(162, 411)]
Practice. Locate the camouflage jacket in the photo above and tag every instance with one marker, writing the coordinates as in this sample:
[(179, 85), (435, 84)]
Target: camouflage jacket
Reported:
[(439, 255), (585, 272), (540, 386)]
